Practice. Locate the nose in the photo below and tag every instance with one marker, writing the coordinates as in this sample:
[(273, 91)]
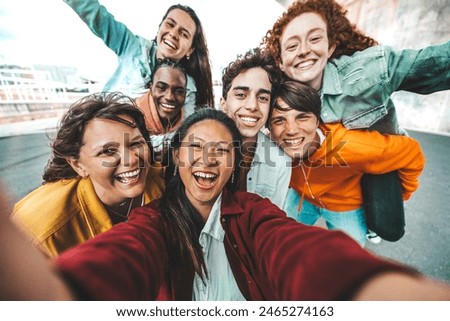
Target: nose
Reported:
[(291, 127), (303, 48), (169, 95), (130, 157), (251, 103)]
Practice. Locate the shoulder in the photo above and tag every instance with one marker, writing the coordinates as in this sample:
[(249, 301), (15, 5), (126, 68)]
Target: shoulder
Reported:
[(46, 207)]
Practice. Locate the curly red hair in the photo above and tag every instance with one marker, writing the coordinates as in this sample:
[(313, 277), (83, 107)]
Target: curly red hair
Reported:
[(341, 32)]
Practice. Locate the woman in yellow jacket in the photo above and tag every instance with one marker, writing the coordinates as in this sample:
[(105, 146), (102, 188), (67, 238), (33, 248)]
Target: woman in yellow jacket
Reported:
[(330, 161), (100, 169)]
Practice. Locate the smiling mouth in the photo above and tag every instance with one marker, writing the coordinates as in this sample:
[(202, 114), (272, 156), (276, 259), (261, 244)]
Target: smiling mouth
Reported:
[(170, 44), (128, 177), (292, 143), (205, 180), (249, 121), (305, 64), (168, 106)]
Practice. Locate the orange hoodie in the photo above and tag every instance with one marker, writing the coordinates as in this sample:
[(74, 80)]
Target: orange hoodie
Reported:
[(152, 120), (331, 177)]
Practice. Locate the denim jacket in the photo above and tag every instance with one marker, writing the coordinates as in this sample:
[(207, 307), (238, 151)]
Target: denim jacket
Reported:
[(357, 89), (270, 171), (137, 55)]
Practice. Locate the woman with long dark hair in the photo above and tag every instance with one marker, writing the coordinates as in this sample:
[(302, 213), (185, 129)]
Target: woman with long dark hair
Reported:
[(180, 38)]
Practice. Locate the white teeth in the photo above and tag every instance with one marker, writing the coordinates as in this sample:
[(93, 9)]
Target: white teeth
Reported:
[(205, 175), (249, 119), (170, 44), (293, 142), (305, 64), (168, 106), (129, 174)]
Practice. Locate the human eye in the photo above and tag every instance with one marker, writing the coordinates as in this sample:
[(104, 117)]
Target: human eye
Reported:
[(107, 151), (240, 94), (180, 91), (277, 121), (264, 98), (315, 38), (291, 46), (138, 143)]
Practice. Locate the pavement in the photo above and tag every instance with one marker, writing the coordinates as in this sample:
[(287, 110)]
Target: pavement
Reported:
[(24, 151)]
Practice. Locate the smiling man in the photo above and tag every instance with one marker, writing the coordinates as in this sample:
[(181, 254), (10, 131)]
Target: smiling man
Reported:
[(248, 85), (163, 104), (329, 161)]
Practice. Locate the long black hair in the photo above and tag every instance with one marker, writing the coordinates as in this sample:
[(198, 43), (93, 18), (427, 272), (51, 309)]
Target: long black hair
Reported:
[(182, 221)]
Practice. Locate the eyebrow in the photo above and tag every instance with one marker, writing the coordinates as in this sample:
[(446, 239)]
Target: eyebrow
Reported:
[(309, 32), (260, 91)]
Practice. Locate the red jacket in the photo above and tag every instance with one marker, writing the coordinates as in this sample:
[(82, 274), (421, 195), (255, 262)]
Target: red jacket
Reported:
[(272, 257)]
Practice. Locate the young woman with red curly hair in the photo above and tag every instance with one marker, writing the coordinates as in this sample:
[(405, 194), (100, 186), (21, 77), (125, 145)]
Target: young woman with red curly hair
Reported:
[(315, 43)]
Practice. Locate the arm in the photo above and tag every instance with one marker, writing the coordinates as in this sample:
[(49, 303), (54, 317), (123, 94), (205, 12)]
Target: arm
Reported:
[(398, 286), (17, 255), (317, 264), (114, 34), (422, 71), (128, 262)]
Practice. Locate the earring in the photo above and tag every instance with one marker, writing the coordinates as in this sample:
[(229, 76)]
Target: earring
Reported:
[(232, 178), (188, 56), (175, 171)]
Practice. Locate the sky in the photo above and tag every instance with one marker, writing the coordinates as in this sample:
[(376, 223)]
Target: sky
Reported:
[(50, 32)]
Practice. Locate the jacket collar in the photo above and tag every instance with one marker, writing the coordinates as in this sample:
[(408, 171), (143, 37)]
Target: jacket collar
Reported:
[(229, 205), (331, 84)]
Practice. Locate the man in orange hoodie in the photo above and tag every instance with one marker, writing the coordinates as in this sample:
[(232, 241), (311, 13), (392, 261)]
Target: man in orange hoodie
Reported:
[(330, 160), (163, 103)]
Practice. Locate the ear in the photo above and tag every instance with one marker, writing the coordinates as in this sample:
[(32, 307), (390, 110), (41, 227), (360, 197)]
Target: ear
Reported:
[(280, 64), (331, 50), (176, 158), (77, 166), (189, 53), (223, 104)]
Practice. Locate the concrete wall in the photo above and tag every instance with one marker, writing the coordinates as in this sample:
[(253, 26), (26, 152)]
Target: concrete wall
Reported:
[(409, 24)]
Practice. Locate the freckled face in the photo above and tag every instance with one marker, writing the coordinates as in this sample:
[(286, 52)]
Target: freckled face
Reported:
[(294, 131), (305, 49), (116, 158), (176, 35), (205, 163)]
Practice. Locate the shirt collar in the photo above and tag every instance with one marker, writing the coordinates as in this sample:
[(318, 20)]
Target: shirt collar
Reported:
[(213, 227)]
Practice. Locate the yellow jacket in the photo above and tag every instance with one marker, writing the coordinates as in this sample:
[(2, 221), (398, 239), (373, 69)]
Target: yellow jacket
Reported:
[(59, 215)]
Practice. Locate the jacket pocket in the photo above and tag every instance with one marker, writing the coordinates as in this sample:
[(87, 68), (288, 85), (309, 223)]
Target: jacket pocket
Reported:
[(365, 118)]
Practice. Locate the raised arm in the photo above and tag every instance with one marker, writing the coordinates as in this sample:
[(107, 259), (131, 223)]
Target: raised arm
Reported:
[(310, 263), (114, 34), (422, 71)]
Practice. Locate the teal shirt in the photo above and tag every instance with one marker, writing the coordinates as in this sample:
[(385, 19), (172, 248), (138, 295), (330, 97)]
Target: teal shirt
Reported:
[(136, 55), (357, 89)]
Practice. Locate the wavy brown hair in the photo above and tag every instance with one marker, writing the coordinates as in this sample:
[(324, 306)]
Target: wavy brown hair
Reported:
[(70, 135), (341, 32)]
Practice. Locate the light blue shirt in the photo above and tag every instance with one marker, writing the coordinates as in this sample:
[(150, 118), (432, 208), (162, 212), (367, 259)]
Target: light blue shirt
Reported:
[(220, 285), (270, 172)]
